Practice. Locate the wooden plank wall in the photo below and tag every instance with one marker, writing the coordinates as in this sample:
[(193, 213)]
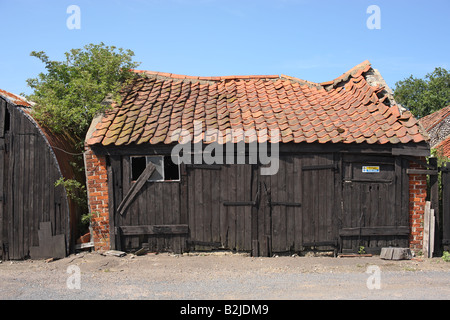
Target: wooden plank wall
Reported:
[(30, 195), (306, 204)]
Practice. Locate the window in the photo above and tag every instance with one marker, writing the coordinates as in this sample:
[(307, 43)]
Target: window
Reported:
[(166, 169)]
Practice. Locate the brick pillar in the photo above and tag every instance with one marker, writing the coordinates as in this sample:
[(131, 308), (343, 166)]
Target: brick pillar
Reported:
[(417, 198), (97, 188)]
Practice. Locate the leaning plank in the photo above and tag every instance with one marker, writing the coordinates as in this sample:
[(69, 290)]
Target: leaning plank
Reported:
[(140, 182), (426, 230), (155, 229), (432, 230)]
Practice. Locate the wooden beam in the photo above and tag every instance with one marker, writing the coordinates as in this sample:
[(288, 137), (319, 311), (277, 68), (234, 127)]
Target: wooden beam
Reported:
[(320, 167), (421, 171), (375, 231), (140, 182), (171, 229)]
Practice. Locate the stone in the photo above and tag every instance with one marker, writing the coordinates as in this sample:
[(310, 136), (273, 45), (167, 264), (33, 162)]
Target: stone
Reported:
[(390, 253)]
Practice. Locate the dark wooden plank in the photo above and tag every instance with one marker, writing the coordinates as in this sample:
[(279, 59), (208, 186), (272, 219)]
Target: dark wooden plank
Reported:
[(375, 231), (216, 185), (207, 184), (155, 230), (115, 185), (135, 188), (232, 196), (292, 180), (32, 196), (184, 203), (241, 197), (298, 197), (2, 193), (275, 182), (126, 185), (414, 149), (446, 208), (38, 190), (256, 192), (320, 167), (316, 189), (166, 212), (203, 166), (199, 205), (329, 201), (8, 214), (263, 214), (111, 205), (405, 194), (191, 204), (285, 202), (223, 211), (3, 111), (239, 203), (19, 210), (176, 241), (306, 201), (26, 196), (248, 210), (422, 171)]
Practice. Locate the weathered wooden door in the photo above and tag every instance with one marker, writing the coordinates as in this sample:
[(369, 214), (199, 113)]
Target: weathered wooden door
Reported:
[(279, 212), (145, 210), (291, 209), (220, 200), (373, 204), (319, 227)]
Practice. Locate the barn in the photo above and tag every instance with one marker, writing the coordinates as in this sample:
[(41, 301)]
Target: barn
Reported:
[(263, 164), (36, 218)]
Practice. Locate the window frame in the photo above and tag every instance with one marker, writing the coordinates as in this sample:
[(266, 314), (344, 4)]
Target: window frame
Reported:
[(163, 157)]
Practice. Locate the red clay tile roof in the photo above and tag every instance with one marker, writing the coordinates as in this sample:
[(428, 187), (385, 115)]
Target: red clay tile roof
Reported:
[(443, 148), (346, 110), (431, 120)]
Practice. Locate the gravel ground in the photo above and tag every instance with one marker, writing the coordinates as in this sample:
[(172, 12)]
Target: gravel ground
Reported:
[(223, 276)]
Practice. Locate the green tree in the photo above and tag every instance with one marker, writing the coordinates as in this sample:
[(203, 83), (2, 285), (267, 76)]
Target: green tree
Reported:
[(424, 96), (70, 93)]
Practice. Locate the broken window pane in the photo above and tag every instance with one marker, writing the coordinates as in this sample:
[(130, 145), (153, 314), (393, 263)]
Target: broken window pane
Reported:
[(157, 161)]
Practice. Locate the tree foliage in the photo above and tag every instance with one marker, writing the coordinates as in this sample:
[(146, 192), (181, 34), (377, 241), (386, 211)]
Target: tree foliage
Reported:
[(424, 96), (70, 93)]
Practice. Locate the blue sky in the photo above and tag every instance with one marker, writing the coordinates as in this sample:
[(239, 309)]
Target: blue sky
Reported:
[(311, 40)]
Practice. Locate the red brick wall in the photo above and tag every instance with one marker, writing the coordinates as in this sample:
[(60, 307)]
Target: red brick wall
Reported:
[(97, 187), (417, 198)]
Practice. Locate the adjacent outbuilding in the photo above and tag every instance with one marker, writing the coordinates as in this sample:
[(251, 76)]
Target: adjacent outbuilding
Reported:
[(261, 164), (36, 217)]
